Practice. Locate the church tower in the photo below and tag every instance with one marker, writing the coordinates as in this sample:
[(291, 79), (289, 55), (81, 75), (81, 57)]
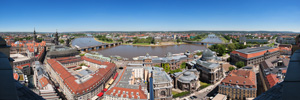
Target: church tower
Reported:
[(56, 38), (34, 36)]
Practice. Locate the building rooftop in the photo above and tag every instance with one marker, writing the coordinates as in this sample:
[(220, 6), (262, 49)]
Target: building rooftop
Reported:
[(161, 77), (19, 57), (254, 52), (125, 89), (71, 80), (272, 79), (188, 75), (208, 65), (242, 78)]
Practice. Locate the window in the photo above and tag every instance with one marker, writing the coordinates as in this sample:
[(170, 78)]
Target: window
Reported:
[(163, 93)]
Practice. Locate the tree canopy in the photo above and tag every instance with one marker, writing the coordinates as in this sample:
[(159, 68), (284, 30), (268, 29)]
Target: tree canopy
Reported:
[(239, 64)]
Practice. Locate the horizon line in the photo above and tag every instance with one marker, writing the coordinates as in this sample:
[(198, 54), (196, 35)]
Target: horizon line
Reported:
[(159, 31)]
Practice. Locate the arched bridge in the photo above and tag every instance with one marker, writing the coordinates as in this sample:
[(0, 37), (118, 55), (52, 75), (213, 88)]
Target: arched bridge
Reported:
[(203, 43), (96, 47)]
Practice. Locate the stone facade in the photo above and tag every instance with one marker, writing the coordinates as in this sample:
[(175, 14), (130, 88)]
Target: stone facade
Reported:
[(173, 60), (210, 70), (239, 85), (186, 80)]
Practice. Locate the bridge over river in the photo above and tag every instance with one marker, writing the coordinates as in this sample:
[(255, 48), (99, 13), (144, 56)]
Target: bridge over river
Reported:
[(89, 43), (209, 40), (204, 43)]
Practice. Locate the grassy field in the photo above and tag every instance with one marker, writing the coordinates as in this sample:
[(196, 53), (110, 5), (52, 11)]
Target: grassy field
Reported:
[(272, 44), (176, 94), (223, 39), (103, 41), (204, 85)]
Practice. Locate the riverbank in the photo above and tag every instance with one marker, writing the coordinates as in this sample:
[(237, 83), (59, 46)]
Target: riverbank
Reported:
[(160, 44), (103, 41)]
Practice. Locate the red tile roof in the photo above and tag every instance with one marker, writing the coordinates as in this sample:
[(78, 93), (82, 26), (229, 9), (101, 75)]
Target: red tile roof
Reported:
[(16, 76), (284, 71), (44, 81), (21, 66), (272, 79), (140, 91), (241, 77), (69, 80), (254, 54)]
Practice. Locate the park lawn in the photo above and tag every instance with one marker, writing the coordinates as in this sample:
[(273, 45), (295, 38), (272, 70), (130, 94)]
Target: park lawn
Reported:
[(180, 94), (174, 92), (271, 45), (141, 44), (103, 41), (223, 39), (204, 85)]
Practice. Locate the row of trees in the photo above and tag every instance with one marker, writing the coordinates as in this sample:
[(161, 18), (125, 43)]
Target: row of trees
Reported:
[(198, 37), (24, 38), (103, 38), (149, 40), (221, 49)]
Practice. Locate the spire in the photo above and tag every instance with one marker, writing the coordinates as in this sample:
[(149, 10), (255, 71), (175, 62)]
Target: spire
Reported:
[(34, 35)]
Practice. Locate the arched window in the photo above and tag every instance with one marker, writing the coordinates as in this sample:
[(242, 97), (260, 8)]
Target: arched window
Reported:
[(163, 93)]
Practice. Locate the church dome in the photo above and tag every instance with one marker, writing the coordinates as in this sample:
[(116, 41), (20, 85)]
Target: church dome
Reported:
[(207, 55)]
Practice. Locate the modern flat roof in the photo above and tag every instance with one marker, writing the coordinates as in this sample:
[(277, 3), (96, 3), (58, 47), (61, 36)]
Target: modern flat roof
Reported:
[(254, 50)]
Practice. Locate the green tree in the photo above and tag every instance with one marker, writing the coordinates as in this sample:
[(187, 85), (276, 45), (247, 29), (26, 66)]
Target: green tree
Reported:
[(183, 65), (199, 53), (231, 68), (228, 59), (239, 64), (231, 47), (178, 40), (221, 50), (61, 41)]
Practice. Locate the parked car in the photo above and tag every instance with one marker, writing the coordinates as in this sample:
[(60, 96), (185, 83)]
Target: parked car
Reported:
[(195, 97), (191, 97)]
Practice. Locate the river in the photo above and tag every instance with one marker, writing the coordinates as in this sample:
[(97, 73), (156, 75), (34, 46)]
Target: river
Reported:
[(130, 51)]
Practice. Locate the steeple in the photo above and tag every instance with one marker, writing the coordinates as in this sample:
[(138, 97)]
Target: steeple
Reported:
[(56, 38), (34, 36)]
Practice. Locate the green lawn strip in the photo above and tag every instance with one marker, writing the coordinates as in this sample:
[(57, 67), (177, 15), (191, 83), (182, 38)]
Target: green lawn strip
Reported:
[(180, 94), (204, 85)]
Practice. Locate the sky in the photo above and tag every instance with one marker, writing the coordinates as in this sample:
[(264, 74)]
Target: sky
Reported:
[(149, 15)]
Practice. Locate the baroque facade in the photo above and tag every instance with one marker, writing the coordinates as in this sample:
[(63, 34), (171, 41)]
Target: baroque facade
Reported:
[(186, 80), (211, 71)]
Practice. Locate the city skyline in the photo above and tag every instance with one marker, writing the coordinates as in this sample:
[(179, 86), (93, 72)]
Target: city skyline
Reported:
[(133, 15)]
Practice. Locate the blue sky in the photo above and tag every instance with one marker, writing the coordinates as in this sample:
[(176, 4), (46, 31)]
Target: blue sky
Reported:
[(149, 15)]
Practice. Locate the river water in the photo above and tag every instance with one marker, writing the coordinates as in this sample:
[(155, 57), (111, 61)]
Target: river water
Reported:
[(130, 51)]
